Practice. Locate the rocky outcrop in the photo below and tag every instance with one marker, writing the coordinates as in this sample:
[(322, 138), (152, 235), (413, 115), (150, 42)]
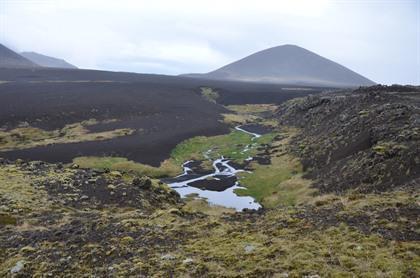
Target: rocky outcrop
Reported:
[(367, 139)]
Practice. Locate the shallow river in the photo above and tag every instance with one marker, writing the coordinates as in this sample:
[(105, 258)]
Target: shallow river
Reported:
[(218, 186)]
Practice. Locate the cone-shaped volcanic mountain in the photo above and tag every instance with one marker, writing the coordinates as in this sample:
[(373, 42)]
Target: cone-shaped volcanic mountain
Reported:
[(288, 64), (10, 59), (47, 61)]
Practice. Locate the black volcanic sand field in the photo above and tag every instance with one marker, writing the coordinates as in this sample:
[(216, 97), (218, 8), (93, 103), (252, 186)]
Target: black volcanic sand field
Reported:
[(161, 119), (164, 110), (231, 92)]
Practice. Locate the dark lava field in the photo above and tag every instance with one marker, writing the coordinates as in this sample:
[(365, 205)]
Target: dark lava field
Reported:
[(163, 110)]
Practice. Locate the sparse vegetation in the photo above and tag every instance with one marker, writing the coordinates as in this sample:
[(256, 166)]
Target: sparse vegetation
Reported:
[(253, 108), (231, 146), (193, 204), (238, 119), (25, 136), (280, 182), (168, 167), (198, 148), (156, 235), (250, 113), (209, 94), (365, 141)]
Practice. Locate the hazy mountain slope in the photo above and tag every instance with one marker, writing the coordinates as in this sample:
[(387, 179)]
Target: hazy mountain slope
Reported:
[(47, 61), (10, 59), (289, 64)]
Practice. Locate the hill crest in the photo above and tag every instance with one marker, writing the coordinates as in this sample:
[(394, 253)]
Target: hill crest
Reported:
[(288, 64)]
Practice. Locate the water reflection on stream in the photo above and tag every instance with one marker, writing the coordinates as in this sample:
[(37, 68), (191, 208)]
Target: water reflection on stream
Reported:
[(217, 187)]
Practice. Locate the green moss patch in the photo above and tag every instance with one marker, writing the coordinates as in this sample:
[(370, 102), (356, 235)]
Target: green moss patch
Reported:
[(167, 168), (251, 113), (231, 146), (209, 94), (280, 182), (6, 219)]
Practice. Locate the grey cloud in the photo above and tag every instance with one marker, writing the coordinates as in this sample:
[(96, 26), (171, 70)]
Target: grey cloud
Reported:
[(378, 39)]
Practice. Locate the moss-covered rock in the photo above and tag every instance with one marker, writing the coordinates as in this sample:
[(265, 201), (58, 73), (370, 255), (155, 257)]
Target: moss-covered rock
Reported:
[(367, 139)]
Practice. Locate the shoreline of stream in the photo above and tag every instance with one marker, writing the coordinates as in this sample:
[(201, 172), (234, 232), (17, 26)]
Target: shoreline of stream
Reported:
[(217, 187)]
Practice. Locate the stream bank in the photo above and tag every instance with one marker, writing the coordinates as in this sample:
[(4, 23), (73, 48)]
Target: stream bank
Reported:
[(217, 186)]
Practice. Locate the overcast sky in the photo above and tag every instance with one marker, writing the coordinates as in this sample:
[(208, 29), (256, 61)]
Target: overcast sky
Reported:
[(378, 39)]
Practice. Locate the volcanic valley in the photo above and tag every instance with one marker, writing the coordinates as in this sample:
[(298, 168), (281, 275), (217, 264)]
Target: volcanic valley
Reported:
[(302, 171)]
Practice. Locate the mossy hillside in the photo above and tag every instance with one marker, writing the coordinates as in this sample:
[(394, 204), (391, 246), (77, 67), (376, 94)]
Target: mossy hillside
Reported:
[(281, 181), (178, 243), (336, 251), (155, 236), (298, 242), (16, 192), (366, 140)]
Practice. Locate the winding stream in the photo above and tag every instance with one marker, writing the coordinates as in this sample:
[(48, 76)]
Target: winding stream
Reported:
[(251, 133), (218, 186)]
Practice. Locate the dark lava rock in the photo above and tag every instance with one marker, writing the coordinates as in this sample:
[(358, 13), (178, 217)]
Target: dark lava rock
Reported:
[(367, 139), (143, 183), (218, 183), (262, 160)]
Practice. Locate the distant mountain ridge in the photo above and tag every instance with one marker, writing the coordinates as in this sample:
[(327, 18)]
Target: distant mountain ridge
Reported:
[(288, 64), (11, 59), (47, 61)]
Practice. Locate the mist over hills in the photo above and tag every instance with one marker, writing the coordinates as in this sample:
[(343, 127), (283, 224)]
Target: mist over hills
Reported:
[(47, 61), (288, 64), (14, 60), (10, 59)]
